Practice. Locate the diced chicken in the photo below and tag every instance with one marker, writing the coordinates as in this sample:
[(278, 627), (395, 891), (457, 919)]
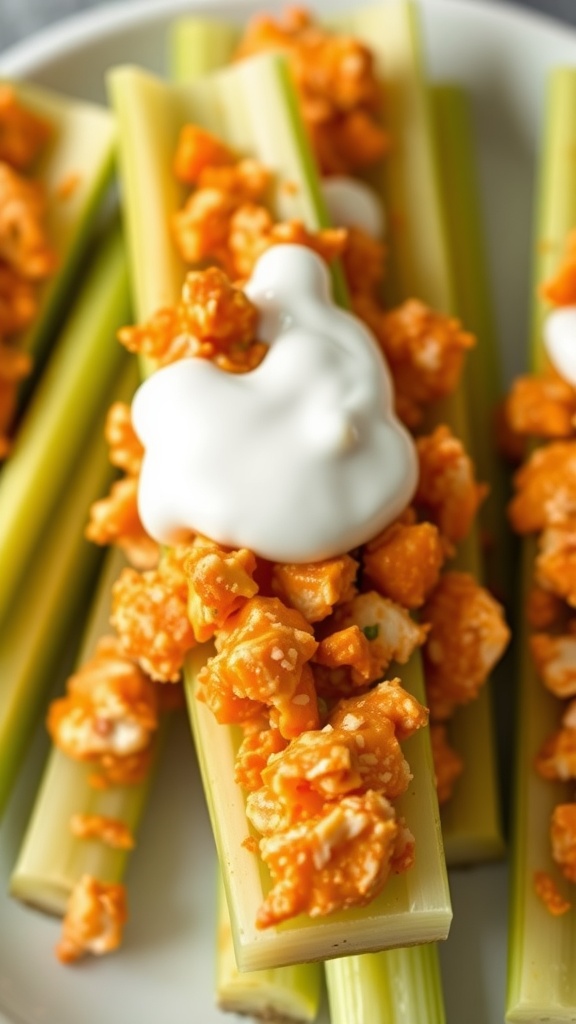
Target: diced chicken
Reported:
[(219, 583), (315, 588), (94, 920), (555, 659), (545, 488), (404, 562), (447, 491)]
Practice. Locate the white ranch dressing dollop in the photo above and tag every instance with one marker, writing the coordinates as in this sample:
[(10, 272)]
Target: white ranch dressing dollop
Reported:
[(353, 204), (298, 460), (560, 341)]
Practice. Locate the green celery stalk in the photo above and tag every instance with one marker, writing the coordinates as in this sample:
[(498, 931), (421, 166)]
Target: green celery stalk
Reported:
[(452, 117), (252, 106), (199, 46), (82, 147), (542, 948), (51, 859), (392, 987), (360, 987), (410, 185), (60, 417), (277, 994), (37, 629)]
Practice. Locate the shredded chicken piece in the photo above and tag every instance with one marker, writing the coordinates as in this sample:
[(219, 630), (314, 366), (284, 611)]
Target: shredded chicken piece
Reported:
[(555, 564), (196, 150), (392, 633), (261, 657), (219, 583), (545, 488), (546, 889), (563, 838), (18, 302), (260, 741), (357, 750), (23, 241), (555, 659), (339, 92), (363, 261), (252, 231), (544, 609), (115, 520), (556, 758), (404, 562), (468, 634), (448, 765), (214, 320), (94, 920), (125, 449), (560, 290), (541, 407), (447, 491), (149, 612), (425, 351), (346, 647), (111, 831), (23, 134), (314, 588), (109, 714), (340, 859)]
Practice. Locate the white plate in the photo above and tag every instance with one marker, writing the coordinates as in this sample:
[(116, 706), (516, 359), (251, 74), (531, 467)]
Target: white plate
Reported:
[(165, 970)]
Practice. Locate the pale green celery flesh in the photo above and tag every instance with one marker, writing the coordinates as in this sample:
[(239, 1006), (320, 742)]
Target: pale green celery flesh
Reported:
[(49, 601), (199, 46), (82, 148), (59, 419), (393, 987), (278, 994), (459, 182), (542, 948), (247, 106), (51, 859), (410, 185)]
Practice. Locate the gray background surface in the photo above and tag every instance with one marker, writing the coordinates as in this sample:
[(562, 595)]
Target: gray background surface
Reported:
[(19, 18)]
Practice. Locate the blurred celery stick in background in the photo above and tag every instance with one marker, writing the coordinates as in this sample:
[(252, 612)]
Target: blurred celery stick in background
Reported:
[(76, 169), (60, 418), (541, 946), (51, 598), (459, 182), (393, 987), (51, 859)]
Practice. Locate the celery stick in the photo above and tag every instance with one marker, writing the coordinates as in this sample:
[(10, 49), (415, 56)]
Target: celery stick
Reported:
[(51, 859), (393, 987), (59, 419), (199, 46), (369, 987), (246, 105), (279, 994), (421, 266), (542, 948), (288, 993), (39, 625), (81, 149), (483, 374)]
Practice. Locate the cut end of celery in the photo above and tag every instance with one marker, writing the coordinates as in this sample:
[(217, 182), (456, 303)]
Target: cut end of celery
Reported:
[(413, 908), (288, 995)]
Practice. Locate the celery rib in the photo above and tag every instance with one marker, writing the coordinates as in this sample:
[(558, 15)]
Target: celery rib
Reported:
[(82, 152), (59, 419), (541, 947), (51, 859), (49, 601), (410, 185), (417, 909)]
